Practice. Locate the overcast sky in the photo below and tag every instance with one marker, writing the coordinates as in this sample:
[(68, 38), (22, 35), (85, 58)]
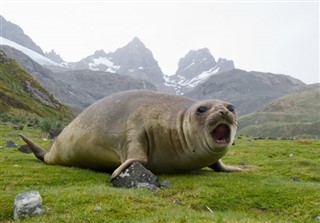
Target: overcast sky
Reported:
[(261, 36)]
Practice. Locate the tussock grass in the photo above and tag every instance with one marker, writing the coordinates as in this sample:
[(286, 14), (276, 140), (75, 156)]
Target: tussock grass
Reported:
[(282, 185)]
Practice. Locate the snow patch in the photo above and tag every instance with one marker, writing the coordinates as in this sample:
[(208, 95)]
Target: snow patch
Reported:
[(202, 77), (181, 81), (189, 65), (111, 68)]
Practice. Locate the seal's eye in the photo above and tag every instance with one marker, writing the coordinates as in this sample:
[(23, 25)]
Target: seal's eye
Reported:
[(231, 108), (202, 109)]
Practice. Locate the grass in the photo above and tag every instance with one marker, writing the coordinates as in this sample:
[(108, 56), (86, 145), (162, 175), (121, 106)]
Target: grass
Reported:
[(282, 186), (21, 94)]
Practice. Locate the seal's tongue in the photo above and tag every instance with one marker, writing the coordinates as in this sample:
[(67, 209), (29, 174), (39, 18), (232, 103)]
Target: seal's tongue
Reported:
[(221, 134)]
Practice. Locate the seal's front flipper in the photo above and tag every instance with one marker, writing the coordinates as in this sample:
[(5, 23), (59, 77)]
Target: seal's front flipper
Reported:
[(123, 167), (136, 176), (220, 167), (137, 151)]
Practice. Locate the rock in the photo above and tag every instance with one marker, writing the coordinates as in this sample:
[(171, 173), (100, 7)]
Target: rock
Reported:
[(25, 149), (55, 132), (28, 204), (296, 178), (98, 209), (137, 176), (29, 124), (317, 219), (11, 144), (291, 155), (165, 184), (150, 187)]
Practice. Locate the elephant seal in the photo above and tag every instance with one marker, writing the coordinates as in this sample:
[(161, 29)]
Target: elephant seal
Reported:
[(166, 133)]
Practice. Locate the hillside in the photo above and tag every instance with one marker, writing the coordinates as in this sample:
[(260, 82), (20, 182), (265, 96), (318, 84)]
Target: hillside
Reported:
[(248, 91), (22, 95), (76, 99), (80, 88), (100, 84), (295, 115)]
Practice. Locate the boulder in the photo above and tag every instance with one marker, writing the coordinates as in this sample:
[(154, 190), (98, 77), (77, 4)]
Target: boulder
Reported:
[(137, 176), (11, 144), (25, 149), (28, 204)]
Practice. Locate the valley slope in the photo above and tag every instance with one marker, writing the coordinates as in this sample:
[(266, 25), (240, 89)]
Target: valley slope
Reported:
[(294, 115), (22, 95)]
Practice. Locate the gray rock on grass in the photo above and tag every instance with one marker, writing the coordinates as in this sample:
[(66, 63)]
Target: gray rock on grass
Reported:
[(28, 204), (25, 149), (137, 176), (11, 144)]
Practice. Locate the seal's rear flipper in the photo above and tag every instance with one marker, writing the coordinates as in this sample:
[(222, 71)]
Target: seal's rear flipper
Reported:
[(220, 167), (38, 152)]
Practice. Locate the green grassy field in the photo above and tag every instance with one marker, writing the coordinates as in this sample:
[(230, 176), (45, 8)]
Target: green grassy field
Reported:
[(281, 185)]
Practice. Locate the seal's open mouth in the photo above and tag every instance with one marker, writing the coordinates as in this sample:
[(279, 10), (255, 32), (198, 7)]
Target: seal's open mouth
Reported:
[(221, 134)]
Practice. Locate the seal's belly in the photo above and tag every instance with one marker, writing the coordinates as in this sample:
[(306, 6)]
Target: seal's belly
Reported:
[(164, 163)]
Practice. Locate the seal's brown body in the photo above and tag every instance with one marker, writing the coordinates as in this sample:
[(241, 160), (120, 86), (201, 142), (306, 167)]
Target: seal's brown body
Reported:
[(166, 133)]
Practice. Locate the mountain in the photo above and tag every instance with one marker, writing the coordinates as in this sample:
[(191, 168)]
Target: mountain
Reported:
[(294, 115), (195, 68), (248, 91), (21, 94), (52, 55), (100, 84), (14, 33), (199, 75), (134, 60), (75, 98), (77, 89)]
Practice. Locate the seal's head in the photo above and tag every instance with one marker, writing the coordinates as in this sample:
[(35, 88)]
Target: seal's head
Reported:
[(213, 123)]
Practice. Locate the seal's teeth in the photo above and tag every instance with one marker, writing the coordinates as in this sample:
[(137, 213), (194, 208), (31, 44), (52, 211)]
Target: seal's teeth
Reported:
[(221, 141), (225, 140)]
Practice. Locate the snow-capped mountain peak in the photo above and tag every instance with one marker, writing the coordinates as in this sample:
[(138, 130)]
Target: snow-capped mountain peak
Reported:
[(134, 59), (196, 67)]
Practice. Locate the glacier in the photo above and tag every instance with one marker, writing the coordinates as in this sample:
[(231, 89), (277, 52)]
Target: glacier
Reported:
[(42, 60)]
